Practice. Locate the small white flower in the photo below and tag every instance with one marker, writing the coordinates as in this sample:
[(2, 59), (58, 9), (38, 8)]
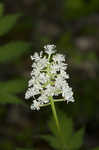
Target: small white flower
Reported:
[(49, 91), (43, 98), (58, 58), (48, 78), (35, 57), (41, 54), (35, 72), (30, 93), (42, 63), (35, 105), (31, 82), (67, 93), (50, 49), (43, 78), (54, 68), (63, 74)]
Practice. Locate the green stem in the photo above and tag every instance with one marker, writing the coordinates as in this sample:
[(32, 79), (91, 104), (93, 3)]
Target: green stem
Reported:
[(57, 122), (55, 114), (58, 100), (55, 100)]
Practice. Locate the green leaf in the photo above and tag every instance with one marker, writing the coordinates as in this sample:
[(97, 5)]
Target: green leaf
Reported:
[(68, 139), (7, 23), (54, 142), (65, 125), (96, 148), (13, 86), (8, 91), (76, 140), (13, 50), (1, 9), (11, 99), (74, 9)]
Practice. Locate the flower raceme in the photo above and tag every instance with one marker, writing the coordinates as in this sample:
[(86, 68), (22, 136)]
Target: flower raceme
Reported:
[(48, 78)]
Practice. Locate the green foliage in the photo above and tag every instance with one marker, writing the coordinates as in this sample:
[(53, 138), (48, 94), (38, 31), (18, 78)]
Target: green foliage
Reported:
[(25, 136), (76, 140), (6, 145), (11, 86), (69, 140), (7, 98), (79, 8), (8, 91), (12, 50), (1, 9), (7, 23), (80, 58), (65, 41), (24, 149), (74, 7), (97, 148), (94, 5)]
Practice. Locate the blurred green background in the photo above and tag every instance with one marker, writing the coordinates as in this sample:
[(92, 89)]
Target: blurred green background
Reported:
[(25, 27)]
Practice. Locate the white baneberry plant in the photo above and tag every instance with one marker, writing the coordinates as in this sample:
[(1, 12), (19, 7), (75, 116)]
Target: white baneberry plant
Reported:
[(48, 80)]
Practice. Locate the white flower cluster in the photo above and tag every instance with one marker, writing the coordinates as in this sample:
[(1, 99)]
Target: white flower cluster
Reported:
[(48, 78)]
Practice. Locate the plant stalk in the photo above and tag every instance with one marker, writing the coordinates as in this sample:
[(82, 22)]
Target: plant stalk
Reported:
[(55, 115), (57, 122)]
